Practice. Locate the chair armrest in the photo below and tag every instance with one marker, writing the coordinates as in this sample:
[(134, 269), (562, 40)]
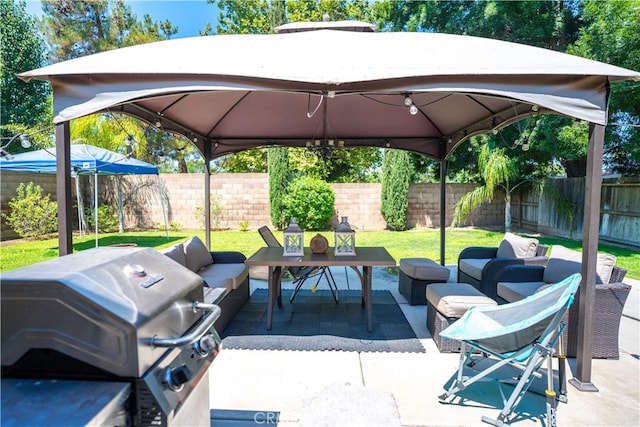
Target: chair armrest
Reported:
[(491, 271), (521, 273), (228, 257), (542, 250), (478, 252), (539, 261), (615, 287), (618, 274)]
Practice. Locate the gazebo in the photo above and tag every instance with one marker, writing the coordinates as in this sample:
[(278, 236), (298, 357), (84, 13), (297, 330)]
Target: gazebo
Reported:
[(315, 85)]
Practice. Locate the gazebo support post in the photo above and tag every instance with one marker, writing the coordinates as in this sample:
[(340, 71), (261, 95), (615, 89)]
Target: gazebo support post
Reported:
[(63, 188), (443, 209), (164, 211), (207, 195), (593, 187), (120, 211)]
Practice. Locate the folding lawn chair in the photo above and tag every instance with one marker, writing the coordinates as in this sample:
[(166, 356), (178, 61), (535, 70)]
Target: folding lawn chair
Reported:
[(521, 334), (301, 274)]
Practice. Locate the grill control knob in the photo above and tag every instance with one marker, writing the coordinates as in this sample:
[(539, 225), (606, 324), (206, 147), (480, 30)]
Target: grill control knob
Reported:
[(134, 270), (206, 345), (175, 378)]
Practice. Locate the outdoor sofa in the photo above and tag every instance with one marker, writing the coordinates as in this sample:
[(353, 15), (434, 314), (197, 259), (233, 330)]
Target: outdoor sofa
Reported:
[(226, 278), (519, 281)]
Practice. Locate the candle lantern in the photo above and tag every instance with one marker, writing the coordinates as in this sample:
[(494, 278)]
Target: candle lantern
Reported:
[(345, 239), (293, 239)]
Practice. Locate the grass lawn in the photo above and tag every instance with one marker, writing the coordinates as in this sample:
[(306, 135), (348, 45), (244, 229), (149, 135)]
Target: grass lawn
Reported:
[(405, 244)]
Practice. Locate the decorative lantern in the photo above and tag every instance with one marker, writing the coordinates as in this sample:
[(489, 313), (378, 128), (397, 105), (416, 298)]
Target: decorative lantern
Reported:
[(345, 239), (293, 239)]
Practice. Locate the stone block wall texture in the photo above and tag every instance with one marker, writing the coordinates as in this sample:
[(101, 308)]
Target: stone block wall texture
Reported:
[(246, 197)]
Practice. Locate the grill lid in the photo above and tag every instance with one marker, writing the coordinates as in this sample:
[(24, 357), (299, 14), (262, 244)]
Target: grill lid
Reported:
[(102, 306)]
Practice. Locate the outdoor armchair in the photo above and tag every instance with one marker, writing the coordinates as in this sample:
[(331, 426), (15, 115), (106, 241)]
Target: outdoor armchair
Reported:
[(480, 266), (517, 282)]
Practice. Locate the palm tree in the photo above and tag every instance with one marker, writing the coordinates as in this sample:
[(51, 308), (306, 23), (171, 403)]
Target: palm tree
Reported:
[(498, 171)]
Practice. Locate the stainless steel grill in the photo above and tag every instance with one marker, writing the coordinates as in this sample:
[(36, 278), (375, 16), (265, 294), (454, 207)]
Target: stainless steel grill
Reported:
[(121, 315)]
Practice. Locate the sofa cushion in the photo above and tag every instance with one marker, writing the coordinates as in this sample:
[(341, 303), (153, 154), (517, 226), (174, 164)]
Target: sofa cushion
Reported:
[(176, 253), (473, 266), (513, 246), (454, 299), (197, 254), (515, 291), (564, 262), (229, 276), (424, 269)]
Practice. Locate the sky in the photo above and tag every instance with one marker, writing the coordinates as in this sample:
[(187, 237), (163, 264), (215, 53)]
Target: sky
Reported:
[(189, 16)]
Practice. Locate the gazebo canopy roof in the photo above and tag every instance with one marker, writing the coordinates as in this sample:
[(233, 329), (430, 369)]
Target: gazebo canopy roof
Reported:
[(327, 87)]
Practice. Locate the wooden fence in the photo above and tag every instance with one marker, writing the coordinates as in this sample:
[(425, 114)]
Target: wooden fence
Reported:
[(619, 210)]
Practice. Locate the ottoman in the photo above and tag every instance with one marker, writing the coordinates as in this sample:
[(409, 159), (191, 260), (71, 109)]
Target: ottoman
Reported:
[(416, 274), (446, 302)]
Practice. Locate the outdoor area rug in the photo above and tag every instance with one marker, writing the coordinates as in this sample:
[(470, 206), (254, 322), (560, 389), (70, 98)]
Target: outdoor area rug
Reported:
[(315, 322)]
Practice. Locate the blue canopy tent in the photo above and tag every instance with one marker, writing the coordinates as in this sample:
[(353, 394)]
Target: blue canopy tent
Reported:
[(85, 160)]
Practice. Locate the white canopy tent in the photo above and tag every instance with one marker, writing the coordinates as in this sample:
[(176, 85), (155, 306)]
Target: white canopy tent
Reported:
[(422, 92)]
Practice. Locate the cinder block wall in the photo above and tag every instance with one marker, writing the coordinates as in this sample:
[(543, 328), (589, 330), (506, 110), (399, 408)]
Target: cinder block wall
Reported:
[(246, 197)]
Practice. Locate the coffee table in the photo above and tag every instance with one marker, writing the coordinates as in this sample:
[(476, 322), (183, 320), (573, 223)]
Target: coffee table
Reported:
[(366, 257)]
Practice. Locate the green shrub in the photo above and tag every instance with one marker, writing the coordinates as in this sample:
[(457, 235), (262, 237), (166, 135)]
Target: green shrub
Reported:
[(32, 214), (311, 201), (173, 226), (396, 174), (244, 225), (215, 213), (107, 218)]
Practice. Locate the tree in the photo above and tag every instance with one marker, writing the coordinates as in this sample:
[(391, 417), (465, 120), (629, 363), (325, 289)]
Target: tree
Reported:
[(611, 34), (26, 106), (279, 177), (81, 27), (396, 174), (243, 17), (77, 28), (112, 132), (498, 171)]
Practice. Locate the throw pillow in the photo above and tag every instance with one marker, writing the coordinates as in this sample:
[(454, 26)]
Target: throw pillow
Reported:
[(564, 262), (513, 246), (176, 253), (198, 256)]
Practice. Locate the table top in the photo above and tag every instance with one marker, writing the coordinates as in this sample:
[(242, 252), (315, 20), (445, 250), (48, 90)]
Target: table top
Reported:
[(365, 256)]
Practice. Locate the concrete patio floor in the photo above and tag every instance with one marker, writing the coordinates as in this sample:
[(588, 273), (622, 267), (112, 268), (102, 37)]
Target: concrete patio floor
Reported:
[(334, 388)]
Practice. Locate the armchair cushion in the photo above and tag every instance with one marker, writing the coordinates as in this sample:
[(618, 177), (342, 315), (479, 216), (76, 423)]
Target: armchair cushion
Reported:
[(513, 246), (473, 266), (516, 291)]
